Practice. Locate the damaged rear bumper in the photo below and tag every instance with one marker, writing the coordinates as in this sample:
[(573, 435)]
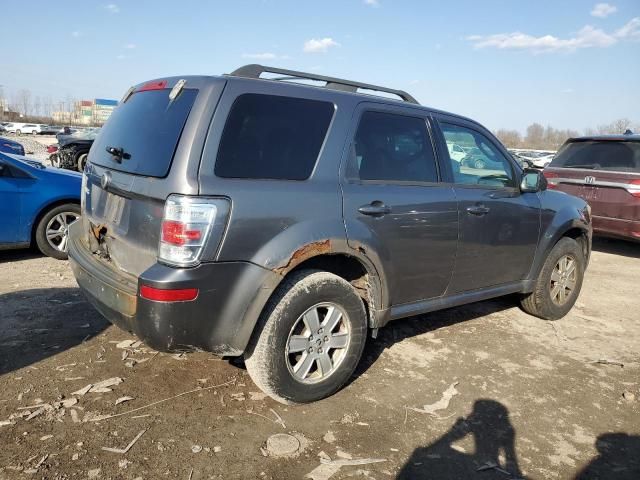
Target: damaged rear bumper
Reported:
[(220, 320)]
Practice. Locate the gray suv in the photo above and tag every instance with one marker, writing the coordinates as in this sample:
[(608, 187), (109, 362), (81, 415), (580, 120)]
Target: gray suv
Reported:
[(287, 222)]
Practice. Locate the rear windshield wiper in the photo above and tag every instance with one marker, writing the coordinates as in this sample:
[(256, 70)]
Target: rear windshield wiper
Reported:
[(118, 154)]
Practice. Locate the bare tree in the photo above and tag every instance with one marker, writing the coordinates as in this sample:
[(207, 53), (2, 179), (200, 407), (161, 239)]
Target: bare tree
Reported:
[(510, 138), (535, 136), (24, 101)]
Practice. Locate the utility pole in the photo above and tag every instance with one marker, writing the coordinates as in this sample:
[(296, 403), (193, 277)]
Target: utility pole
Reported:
[(2, 102)]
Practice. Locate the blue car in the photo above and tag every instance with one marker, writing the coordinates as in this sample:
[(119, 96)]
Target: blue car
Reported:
[(37, 205), (9, 146)]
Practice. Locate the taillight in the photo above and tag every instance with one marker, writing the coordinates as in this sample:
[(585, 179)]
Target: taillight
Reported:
[(551, 177), (634, 188), (189, 226)]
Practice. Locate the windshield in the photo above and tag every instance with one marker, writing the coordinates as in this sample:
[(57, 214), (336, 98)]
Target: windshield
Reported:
[(143, 132), (619, 156)]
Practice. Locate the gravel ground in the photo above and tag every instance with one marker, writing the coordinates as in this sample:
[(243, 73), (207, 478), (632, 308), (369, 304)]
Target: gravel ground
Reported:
[(482, 391), (35, 146)]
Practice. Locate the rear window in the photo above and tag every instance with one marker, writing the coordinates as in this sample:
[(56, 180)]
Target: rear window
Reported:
[(616, 156), (147, 128), (272, 137)]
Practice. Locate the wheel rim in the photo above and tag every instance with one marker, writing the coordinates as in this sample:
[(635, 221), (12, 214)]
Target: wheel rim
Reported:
[(57, 230), (563, 279), (318, 343), (479, 164), (82, 161)]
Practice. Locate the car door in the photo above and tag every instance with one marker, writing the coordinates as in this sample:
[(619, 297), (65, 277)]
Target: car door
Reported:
[(9, 205), (499, 225), (394, 207)]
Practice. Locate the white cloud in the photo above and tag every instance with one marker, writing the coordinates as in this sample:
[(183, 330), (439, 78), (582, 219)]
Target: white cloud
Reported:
[(130, 46), (112, 8), (319, 46), (372, 3), (587, 37), (603, 10), (76, 34), (260, 56), (630, 30)]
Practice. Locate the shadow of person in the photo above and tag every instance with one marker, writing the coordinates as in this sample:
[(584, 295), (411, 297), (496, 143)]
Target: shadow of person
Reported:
[(619, 458), (494, 448)]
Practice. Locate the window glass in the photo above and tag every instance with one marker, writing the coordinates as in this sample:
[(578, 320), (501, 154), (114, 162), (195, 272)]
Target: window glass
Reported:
[(393, 147), (600, 155), (272, 137), (146, 128), (482, 163)]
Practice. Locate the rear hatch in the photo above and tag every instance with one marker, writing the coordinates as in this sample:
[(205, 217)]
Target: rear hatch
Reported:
[(149, 148), (604, 172)]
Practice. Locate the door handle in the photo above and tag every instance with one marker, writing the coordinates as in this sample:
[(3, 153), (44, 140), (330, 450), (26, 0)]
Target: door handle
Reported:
[(478, 210), (375, 209)]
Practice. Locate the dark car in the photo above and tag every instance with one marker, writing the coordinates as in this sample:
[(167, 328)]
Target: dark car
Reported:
[(288, 222), (9, 146), (481, 159), (37, 205), (604, 171)]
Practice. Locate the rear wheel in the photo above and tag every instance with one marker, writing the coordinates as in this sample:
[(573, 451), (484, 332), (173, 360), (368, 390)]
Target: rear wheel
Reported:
[(559, 282), (52, 233), (18, 132), (309, 339)]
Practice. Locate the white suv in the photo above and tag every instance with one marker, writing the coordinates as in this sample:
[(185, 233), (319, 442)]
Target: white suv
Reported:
[(32, 128)]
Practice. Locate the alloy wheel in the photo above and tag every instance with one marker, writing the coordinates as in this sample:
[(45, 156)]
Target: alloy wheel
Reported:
[(317, 343), (57, 230), (563, 279)]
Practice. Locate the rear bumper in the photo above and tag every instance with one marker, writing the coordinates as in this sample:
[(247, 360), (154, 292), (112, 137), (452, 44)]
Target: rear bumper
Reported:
[(616, 227), (220, 320)]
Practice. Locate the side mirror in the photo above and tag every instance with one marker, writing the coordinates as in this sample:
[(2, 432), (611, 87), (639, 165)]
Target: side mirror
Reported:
[(532, 181)]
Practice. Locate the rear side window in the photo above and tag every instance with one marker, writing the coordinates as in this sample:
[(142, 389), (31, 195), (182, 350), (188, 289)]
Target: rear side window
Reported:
[(599, 155), (272, 137), (146, 129), (391, 147)]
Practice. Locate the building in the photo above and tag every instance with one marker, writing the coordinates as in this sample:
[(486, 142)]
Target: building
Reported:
[(87, 112)]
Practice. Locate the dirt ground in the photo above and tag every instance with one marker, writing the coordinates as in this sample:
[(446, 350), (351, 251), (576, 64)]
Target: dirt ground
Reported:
[(482, 391)]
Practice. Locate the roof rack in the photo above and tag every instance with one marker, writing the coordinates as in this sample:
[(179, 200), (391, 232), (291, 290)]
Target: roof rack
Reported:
[(254, 71)]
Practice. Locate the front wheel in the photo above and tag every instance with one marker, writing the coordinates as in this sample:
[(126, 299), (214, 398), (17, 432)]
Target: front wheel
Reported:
[(479, 164), (81, 162), (309, 339), (52, 233), (559, 283)]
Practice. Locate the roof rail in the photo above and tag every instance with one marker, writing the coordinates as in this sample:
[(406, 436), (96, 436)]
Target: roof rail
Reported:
[(254, 71)]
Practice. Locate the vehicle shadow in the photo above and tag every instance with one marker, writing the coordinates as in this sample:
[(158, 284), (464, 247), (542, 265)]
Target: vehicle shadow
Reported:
[(616, 247), (399, 330), (494, 454), (36, 324), (618, 457), (17, 255)]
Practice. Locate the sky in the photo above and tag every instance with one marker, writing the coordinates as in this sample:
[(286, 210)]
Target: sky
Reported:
[(506, 63)]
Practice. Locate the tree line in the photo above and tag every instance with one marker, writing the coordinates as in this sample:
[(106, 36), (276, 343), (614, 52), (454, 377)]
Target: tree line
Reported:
[(539, 137)]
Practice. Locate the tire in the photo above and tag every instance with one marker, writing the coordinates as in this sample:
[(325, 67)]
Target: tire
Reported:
[(283, 326), (81, 161), (34, 133), (52, 221), (18, 132), (478, 164), (545, 302)]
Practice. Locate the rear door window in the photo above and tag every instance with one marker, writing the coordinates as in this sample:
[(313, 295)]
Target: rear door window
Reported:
[(273, 137), (599, 155), (146, 129)]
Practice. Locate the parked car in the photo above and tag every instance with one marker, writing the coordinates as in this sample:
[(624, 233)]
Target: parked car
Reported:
[(481, 158), (604, 171), (49, 130), (37, 205), (287, 222), (29, 128), (9, 146), (13, 127), (456, 152), (537, 159), (72, 150), (3, 126)]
